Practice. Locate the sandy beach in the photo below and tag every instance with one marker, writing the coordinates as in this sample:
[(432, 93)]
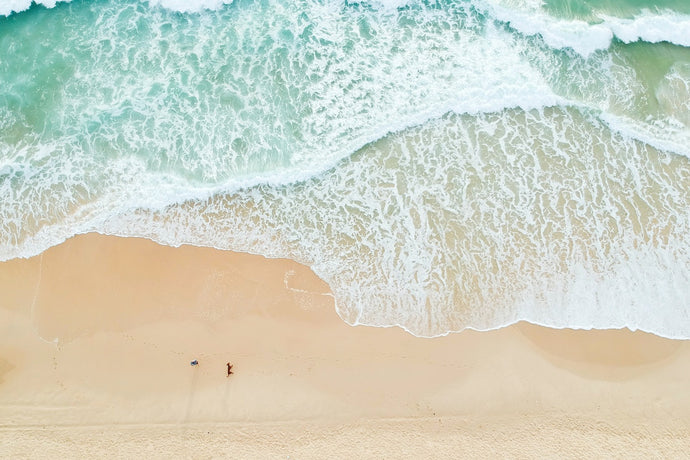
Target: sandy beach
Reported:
[(98, 334)]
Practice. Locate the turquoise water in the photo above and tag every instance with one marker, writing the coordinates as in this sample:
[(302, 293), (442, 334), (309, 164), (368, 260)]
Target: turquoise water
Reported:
[(591, 10), (442, 165)]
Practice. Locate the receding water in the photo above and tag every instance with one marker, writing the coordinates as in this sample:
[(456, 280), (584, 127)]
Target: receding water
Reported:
[(441, 165)]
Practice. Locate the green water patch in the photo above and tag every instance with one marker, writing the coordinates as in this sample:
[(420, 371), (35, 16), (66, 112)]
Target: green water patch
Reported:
[(591, 10), (653, 64), (646, 83), (476, 221), (33, 71)]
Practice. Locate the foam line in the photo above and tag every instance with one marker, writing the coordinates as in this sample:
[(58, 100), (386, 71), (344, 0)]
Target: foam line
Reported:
[(651, 27), (586, 38)]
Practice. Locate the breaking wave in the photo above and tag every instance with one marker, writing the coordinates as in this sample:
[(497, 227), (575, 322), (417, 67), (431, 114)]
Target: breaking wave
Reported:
[(441, 165)]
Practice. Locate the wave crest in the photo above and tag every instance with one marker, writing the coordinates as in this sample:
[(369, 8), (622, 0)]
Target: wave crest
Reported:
[(8, 7), (652, 28), (584, 37), (477, 222)]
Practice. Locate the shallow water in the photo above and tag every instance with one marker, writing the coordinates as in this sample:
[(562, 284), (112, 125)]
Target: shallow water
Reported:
[(441, 165)]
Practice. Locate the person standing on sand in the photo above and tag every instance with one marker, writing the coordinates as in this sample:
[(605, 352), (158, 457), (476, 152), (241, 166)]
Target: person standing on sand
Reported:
[(229, 369)]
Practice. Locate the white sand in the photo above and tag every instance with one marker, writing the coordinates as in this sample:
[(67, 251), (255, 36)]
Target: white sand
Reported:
[(129, 316)]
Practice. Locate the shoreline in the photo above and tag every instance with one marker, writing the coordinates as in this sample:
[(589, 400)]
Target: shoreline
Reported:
[(129, 315), (329, 293)]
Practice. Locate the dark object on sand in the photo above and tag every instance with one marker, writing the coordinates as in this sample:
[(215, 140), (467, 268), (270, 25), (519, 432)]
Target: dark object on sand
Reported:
[(194, 363), (229, 369)]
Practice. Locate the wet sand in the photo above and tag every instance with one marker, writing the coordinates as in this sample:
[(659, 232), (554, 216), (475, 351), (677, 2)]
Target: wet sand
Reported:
[(98, 334)]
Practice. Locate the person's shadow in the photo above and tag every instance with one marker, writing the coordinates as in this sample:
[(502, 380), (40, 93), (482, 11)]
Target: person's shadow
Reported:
[(192, 391)]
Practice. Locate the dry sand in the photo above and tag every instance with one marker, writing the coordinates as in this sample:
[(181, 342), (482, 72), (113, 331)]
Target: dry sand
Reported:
[(97, 336)]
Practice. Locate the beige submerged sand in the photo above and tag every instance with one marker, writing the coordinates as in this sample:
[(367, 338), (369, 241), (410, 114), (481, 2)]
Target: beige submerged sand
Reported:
[(97, 336)]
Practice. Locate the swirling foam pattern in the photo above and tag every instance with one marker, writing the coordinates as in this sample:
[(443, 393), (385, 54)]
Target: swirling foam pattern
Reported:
[(442, 165)]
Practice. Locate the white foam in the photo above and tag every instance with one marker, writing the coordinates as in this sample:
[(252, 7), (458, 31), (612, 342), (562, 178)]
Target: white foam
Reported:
[(473, 222), (627, 295), (664, 134), (403, 230), (8, 7), (364, 95), (525, 17), (673, 93), (386, 5), (586, 38), (582, 37), (651, 27), (187, 6)]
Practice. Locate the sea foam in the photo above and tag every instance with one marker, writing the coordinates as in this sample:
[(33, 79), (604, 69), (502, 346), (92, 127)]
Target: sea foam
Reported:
[(438, 169), (584, 37), (8, 7), (651, 27), (187, 6), (150, 135), (474, 221)]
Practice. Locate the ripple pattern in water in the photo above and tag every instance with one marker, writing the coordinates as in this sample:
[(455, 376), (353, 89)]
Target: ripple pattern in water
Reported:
[(443, 165), (477, 222)]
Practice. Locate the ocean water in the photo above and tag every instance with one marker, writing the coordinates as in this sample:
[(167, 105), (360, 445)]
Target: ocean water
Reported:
[(443, 165)]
